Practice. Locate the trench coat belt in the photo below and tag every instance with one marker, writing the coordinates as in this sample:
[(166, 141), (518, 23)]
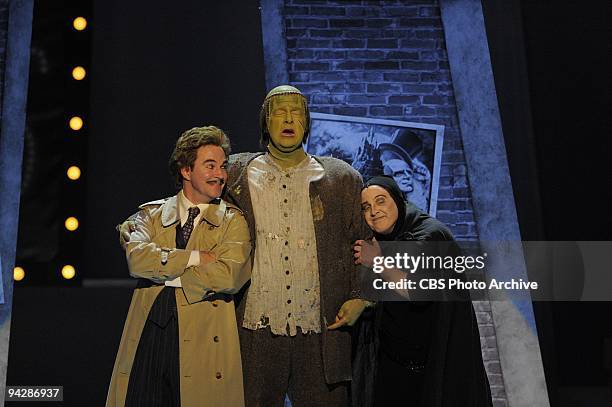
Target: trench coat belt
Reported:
[(145, 283)]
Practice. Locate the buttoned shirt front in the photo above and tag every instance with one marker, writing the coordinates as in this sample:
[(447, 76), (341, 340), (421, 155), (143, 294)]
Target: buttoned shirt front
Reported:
[(285, 289), (183, 205)]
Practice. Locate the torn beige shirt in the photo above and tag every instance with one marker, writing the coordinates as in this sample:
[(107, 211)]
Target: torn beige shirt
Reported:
[(285, 290)]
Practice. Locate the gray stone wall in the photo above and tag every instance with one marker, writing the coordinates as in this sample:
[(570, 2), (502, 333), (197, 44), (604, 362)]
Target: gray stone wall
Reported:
[(4, 13), (5, 308), (15, 34)]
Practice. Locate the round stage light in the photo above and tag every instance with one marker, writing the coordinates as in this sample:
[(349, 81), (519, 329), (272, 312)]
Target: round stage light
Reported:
[(76, 123), (74, 173), (18, 273), (79, 23), (68, 272), (71, 223), (78, 73)]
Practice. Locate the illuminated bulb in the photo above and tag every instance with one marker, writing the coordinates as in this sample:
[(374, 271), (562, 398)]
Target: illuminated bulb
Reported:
[(74, 173), (71, 223), (68, 272), (78, 73), (18, 273), (79, 23), (76, 123)]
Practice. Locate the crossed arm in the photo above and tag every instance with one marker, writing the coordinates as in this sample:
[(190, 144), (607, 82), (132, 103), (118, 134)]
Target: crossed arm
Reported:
[(223, 269), (145, 257)]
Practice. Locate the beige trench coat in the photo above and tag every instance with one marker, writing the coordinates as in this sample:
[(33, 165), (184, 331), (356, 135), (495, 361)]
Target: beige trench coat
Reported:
[(209, 352)]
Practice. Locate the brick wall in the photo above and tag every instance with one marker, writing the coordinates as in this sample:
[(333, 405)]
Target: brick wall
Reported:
[(387, 59)]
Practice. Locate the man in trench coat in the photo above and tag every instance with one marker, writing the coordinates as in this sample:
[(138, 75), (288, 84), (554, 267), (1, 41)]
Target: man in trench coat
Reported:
[(182, 348)]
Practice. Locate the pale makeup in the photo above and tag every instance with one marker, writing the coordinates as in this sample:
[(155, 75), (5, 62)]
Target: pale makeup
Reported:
[(379, 209)]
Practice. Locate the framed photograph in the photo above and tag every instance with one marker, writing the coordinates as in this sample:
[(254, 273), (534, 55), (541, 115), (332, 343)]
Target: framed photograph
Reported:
[(409, 152)]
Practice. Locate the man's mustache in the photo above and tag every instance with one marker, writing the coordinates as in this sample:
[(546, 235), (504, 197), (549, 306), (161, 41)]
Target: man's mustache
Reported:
[(221, 181)]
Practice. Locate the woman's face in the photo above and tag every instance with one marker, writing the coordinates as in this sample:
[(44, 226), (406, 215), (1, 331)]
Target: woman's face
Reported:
[(379, 209)]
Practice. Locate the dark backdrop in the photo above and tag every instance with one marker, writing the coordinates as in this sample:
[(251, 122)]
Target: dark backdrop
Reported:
[(552, 71), (159, 68), (568, 47)]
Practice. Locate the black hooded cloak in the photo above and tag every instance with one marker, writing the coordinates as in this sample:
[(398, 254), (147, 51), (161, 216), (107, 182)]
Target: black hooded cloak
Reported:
[(437, 342)]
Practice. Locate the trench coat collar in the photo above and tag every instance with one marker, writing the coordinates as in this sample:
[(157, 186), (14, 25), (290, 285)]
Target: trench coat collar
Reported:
[(213, 213)]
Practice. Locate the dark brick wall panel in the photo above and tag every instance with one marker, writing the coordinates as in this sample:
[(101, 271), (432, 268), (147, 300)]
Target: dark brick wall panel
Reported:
[(387, 59)]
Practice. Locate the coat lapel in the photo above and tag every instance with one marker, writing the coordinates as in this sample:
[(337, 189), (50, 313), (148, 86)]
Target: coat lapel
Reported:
[(170, 214), (214, 214)]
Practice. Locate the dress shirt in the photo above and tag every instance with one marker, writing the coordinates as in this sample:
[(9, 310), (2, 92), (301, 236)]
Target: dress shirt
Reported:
[(183, 209)]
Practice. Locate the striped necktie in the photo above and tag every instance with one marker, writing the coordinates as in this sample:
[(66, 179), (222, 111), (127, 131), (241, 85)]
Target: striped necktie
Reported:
[(188, 226)]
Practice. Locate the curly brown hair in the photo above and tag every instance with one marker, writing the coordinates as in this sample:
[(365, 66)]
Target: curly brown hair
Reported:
[(187, 145)]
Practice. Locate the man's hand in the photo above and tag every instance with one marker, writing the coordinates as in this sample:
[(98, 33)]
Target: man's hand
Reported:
[(349, 313), (207, 257), (365, 251), (124, 230)]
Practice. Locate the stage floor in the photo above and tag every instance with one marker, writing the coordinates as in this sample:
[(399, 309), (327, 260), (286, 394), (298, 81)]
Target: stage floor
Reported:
[(66, 336)]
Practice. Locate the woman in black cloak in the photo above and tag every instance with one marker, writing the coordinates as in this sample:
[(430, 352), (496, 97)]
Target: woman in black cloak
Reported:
[(414, 353)]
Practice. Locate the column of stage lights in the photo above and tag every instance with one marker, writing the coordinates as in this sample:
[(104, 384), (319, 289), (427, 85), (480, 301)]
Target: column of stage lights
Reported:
[(65, 61), (76, 116)]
